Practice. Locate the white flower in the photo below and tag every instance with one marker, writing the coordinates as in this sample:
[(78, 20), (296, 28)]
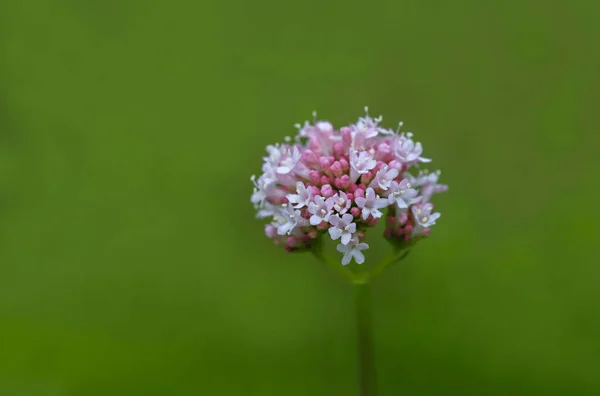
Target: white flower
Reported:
[(371, 204), (360, 163), (320, 209), (288, 160), (342, 227), (302, 198), (353, 251), (423, 215), (288, 219), (409, 151), (340, 202), (384, 177), (402, 194), (428, 183)]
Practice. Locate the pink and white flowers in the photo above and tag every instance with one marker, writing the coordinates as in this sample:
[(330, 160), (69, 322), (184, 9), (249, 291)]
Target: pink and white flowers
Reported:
[(337, 182)]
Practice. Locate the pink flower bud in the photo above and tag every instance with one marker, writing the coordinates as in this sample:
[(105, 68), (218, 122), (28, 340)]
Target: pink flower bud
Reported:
[(338, 149), (314, 144), (345, 181), (383, 150), (403, 218), (345, 164), (310, 158), (336, 168), (271, 230), (355, 212), (325, 163), (395, 164), (346, 135), (315, 176), (327, 191)]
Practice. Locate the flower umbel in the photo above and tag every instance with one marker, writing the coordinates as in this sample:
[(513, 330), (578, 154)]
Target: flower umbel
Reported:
[(336, 182)]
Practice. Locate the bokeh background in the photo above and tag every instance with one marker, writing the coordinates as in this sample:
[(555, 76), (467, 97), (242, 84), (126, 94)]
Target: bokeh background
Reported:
[(130, 259)]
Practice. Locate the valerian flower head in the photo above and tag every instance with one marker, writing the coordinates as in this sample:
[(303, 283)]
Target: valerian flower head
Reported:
[(339, 182)]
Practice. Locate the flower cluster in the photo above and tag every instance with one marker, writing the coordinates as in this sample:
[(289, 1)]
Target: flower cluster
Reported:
[(336, 182)]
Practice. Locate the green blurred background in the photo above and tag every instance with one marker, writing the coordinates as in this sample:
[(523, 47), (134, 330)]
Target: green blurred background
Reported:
[(130, 259)]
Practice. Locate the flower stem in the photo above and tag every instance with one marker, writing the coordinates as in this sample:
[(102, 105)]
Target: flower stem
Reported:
[(367, 382), (386, 262), (335, 265)]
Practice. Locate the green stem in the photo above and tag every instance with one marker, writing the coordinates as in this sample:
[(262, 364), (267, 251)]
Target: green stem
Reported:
[(336, 266), (390, 259), (367, 382)]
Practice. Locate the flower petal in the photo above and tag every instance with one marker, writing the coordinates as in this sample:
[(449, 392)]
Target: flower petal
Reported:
[(315, 220), (360, 201), (359, 257), (335, 233), (346, 259), (346, 238)]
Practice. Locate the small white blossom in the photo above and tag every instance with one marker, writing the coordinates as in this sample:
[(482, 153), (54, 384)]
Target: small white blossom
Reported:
[(423, 215), (360, 163), (288, 160), (384, 177), (342, 227), (353, 251), (340, 202), (302, 197), (320, 209), (371, 204), (288, 219), (428, 181), (402, 194), (409, 151)]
